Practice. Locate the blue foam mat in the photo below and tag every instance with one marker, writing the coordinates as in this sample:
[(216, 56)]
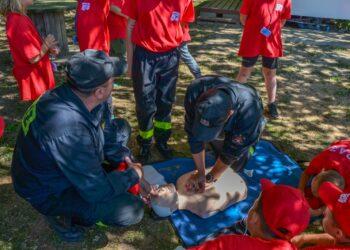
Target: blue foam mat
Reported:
[(267, 162)]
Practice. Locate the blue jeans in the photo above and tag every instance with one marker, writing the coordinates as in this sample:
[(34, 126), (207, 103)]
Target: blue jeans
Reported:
[(188, 59)]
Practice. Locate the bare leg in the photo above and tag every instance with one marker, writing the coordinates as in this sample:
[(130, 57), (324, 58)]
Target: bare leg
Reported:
[(271, 88), (270, 83), (244, 74)]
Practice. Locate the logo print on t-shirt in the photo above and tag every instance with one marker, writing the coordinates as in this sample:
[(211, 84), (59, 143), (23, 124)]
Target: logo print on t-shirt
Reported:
[(279, 7), (239, 139), (85, 6), (343, 198), (175, 16)]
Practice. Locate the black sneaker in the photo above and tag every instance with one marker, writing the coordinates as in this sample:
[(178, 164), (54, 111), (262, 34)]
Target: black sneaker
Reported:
[(65, 230), (145, 153), (273, 110), (164, 150)]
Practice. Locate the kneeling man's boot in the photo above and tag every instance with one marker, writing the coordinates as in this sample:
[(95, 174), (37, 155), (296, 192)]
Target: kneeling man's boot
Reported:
[(64, 228)]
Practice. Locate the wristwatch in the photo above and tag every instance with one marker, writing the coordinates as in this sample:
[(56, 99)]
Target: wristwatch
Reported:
[(209, 178)]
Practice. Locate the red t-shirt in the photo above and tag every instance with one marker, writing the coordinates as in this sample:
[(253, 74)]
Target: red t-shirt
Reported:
[(158, 23), (186, 30), (227, 242), (116, 23), (336, 157), (25, 43), (92, 26), (263, 13)]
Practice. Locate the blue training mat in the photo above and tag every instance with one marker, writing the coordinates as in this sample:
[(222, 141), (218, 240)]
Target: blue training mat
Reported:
[(267, 162)]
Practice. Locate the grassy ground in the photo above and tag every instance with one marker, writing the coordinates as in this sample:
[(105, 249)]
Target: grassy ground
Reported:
[(313, 95)]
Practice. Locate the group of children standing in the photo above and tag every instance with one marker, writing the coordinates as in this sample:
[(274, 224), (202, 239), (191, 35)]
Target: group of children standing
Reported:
[(154, 34)]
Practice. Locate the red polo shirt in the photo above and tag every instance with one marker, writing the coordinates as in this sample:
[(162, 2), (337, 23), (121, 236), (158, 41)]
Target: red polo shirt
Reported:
[(234, 242), (25, 44), (117, 23), (263, 13), (186, 30), (158, 23), (92, 26), (336, 157)]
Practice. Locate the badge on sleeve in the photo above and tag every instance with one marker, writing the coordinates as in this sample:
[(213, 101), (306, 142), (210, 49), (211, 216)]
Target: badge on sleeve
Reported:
[(279, 7), (85, 6), (239, 139), (175, 16)]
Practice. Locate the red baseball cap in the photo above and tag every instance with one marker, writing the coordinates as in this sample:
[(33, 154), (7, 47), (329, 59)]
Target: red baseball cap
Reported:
[(2, 126), (285, 209), (339, 203)]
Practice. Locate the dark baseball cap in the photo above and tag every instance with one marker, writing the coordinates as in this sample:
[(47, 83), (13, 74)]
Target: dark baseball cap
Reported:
[(91, 68), (211, 112)]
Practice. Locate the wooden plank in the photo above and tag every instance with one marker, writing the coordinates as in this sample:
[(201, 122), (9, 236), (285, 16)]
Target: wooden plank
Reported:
[(211, 10), (64, 45), (217, 20)]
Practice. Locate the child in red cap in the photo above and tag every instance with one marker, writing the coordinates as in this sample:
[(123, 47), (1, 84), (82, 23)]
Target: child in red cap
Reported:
[(32, 68), (336, 221), (333, 165), (278, 214)]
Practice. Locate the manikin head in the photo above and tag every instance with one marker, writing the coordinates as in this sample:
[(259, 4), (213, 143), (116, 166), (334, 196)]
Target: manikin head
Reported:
[(337, 213), (279, 212), (166, 201), (329, 175)]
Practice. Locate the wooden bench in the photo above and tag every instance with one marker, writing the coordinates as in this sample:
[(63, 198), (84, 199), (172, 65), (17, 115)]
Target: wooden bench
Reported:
[(226, 11), (48, 18)]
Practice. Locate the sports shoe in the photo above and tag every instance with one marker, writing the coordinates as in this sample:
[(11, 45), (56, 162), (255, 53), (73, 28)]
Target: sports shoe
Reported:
[(164, 150), (66, 231), (273, 110)]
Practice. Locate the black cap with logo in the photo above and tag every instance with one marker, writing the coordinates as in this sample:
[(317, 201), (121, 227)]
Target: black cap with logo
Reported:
[(91, 68), (211, 112)]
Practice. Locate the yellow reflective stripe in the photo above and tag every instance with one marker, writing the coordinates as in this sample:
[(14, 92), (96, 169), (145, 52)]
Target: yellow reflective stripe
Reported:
[(146, 134), (101, 224), (162, 125), (251, 150)]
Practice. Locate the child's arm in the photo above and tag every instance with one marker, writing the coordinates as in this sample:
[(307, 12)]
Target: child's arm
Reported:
[(243, 18), (303, 180), (317, 212), (129, 45), (313, 239), (48, 43), (116, 10)]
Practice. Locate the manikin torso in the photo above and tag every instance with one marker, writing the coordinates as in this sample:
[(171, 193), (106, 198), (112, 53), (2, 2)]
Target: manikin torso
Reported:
[(230, 188)]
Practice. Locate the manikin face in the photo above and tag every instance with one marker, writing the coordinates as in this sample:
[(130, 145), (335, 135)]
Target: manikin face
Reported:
[(165, 203), (167, 196)]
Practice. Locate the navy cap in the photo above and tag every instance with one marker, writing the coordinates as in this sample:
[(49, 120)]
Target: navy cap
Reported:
[(91, 68), (211, 113)]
